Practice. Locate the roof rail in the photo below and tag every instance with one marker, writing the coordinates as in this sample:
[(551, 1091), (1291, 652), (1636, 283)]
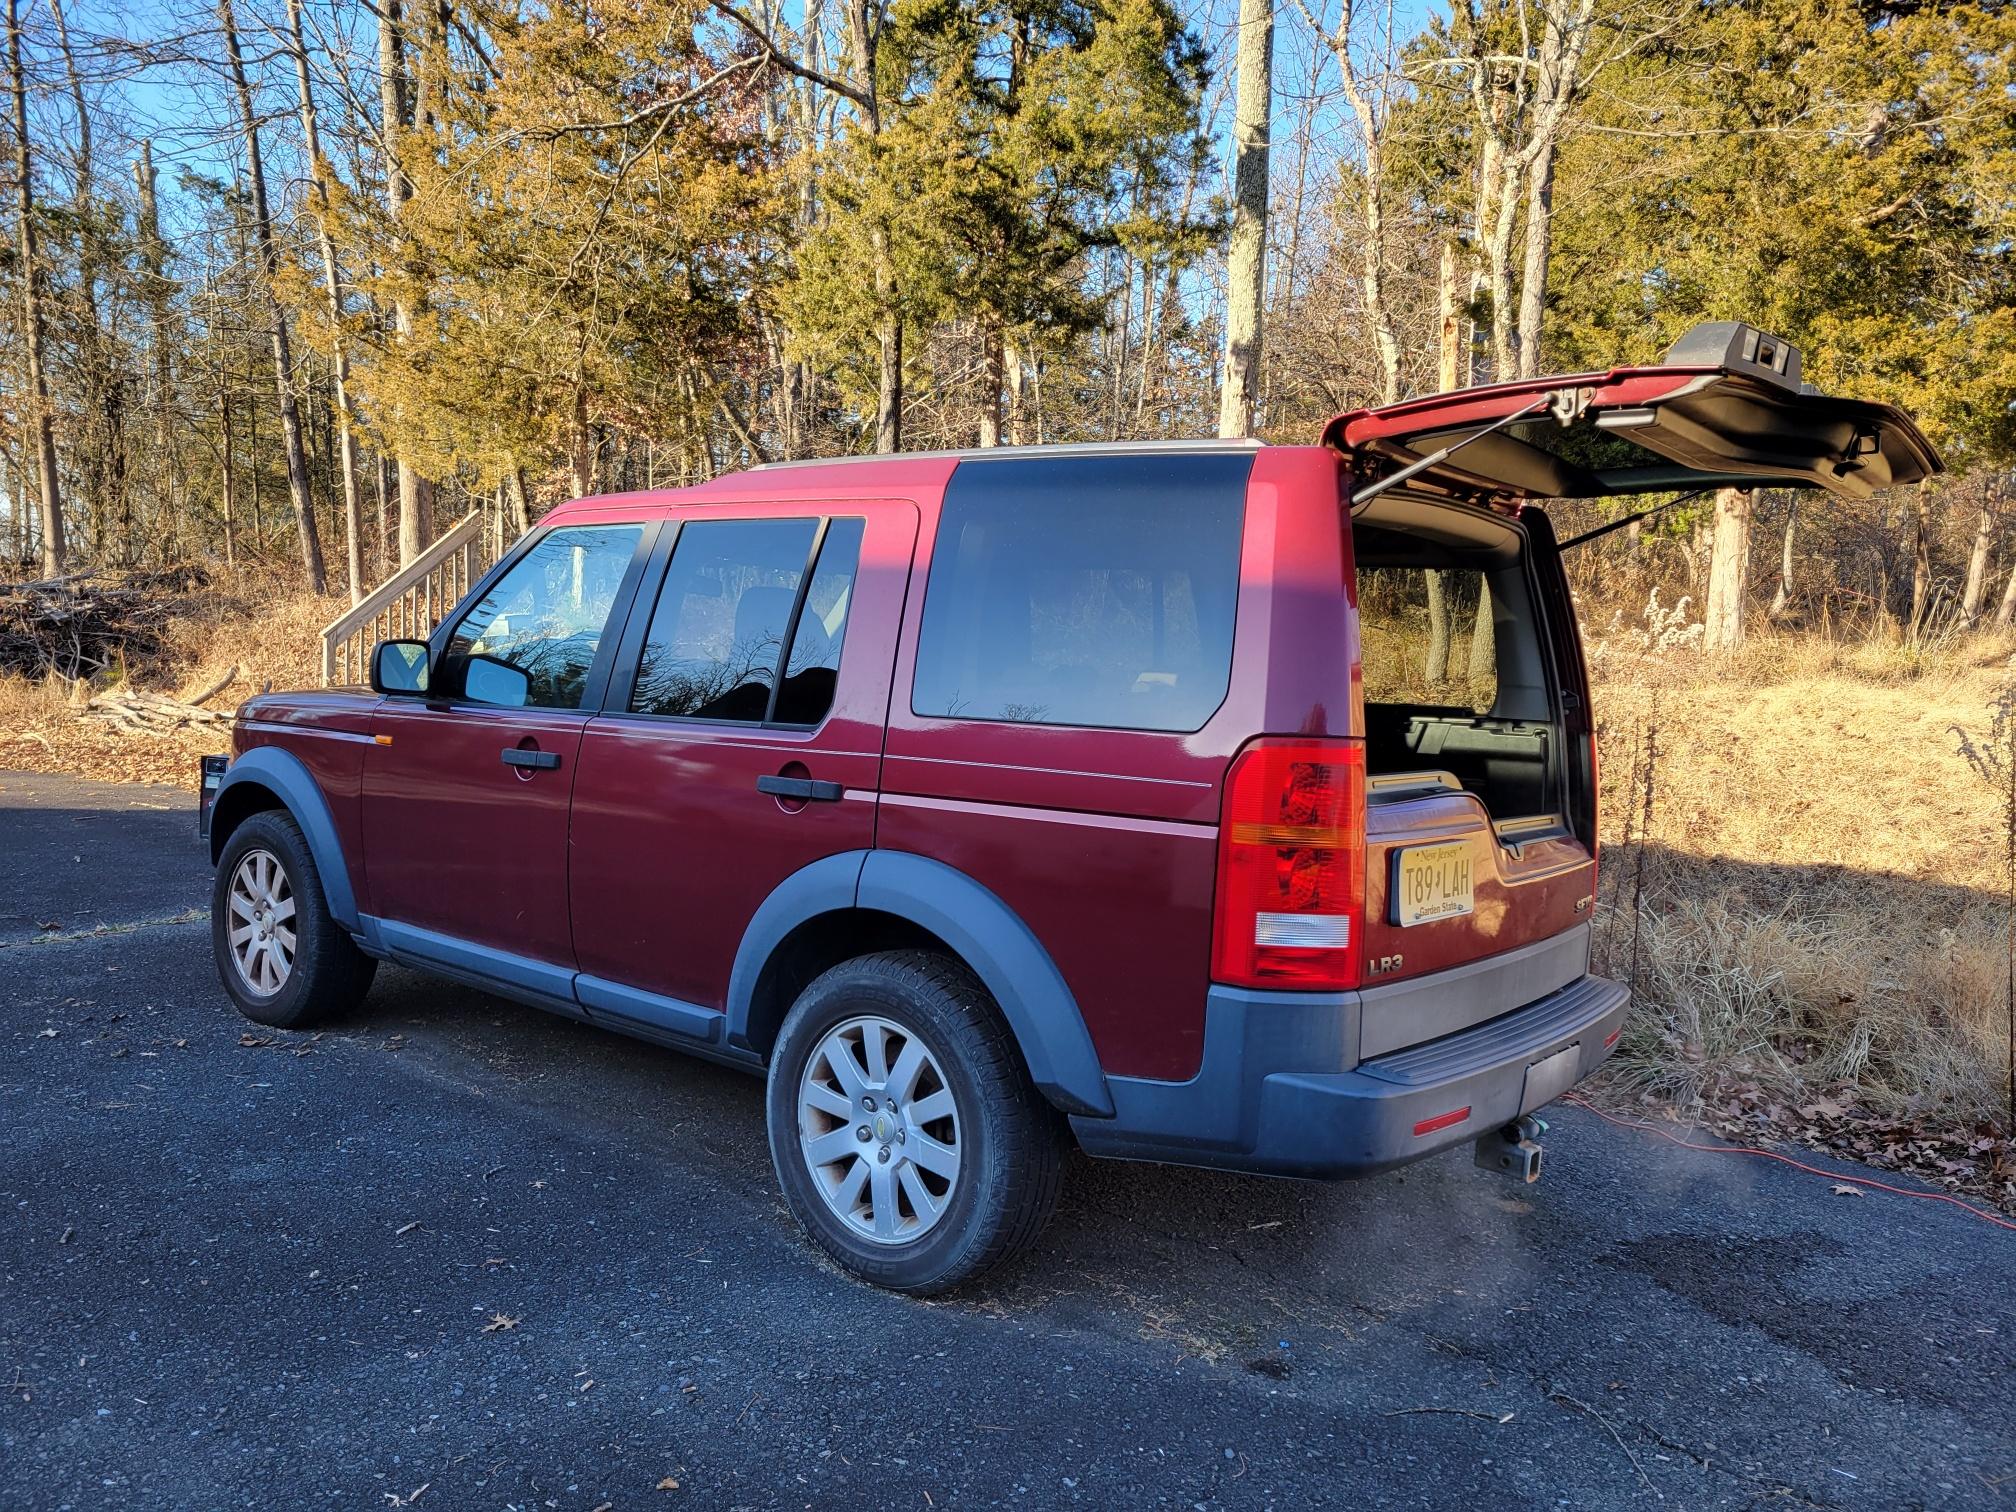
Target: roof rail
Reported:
[(994, 453)]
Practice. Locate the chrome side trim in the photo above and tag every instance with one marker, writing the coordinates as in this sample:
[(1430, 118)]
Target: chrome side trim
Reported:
[(273, 727)]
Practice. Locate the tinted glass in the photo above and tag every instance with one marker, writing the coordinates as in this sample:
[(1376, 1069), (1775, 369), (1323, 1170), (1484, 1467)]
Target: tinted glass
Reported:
[(717, 632), (814, 667), (545, 617), (1085, 591)]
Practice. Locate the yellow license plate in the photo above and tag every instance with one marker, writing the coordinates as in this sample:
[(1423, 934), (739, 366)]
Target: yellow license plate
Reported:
[(1432, 882)]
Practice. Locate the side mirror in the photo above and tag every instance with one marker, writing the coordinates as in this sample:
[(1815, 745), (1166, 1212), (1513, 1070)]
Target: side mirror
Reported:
[(487, 680), (399, 666)]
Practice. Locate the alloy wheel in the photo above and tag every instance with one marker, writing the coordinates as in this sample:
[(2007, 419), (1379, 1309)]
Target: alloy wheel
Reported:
[(261, 926), (878, 1127)]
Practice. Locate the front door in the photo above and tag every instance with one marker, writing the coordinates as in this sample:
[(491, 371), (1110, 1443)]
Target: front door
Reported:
[(741, 741), (466, 789)]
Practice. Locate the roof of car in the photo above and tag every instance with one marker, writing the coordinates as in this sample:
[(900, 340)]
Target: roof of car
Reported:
[(874, 475), (1003, 453)]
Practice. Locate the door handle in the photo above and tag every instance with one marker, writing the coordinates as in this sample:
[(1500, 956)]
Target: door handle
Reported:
[(800, 787), (537, 761)]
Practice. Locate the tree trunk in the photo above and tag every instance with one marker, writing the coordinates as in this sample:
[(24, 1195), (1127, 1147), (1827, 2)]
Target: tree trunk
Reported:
[(991, 382), (54, 558), (416, 494), (1437, 668), (1728, 571), (1974, 599), (519, 516), (101, 377), (1921, 555), (158, 292), (386, 487), (1449, 346), (1483, 638), (581, 447), (228, 482), (1781, 598), (1533, 273), (283, 356), (2007, 612), (1246, 253), (332, 284), (889, 348), (1372, 206), (1012, 360)]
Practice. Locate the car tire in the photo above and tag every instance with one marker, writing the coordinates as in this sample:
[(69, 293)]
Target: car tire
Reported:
[(268, 894), (919, 1230)]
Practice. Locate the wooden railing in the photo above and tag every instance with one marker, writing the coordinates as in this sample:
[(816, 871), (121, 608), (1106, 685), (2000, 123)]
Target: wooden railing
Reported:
[(408, 605)]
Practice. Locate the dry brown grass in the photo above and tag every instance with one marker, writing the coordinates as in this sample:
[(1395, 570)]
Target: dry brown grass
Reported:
[(256, 624), (1823, 884)]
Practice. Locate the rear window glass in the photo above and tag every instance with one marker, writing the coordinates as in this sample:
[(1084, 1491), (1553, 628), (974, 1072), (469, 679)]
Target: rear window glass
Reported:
[(1061, 596), (1428, 637), (718, 630)]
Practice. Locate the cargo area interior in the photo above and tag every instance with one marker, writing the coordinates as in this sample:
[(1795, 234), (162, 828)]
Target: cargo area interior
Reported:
[(1457, 682)]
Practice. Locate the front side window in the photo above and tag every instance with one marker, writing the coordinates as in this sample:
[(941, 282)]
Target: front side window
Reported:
[(718, 632), (530, 641), (1084, 593)]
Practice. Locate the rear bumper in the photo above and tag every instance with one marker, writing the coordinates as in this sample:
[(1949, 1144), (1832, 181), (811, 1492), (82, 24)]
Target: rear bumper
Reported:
[(1278, 1092)]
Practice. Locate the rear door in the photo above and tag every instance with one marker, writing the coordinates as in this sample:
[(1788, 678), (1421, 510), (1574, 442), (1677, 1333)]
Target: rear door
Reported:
[(1726, 408), (708, 778)]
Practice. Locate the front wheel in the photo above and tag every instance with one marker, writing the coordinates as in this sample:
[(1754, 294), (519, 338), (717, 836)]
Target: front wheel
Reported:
[(906, 1134), (282, 959)]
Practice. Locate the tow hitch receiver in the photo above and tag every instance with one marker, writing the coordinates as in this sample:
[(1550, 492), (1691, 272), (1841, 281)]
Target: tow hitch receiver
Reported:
[(1513, 1149)]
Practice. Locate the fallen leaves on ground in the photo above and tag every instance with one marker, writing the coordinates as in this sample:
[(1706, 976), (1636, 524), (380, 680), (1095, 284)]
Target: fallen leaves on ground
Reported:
[(501, 1323), (1973, 1161)]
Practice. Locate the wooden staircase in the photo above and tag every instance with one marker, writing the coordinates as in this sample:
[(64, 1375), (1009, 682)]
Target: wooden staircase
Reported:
[(409, 604)]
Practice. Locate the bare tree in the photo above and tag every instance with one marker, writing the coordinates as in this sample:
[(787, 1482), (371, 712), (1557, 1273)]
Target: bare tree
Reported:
[(283, 354), (1781, 597), (1728, 571), (332, 284), (416, 493), (1246, 254), (32, 335), (1973, 597), (1521, 97)]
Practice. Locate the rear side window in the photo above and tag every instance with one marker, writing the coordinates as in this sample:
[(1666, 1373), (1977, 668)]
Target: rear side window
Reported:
[(1094, 591), (724, 614)]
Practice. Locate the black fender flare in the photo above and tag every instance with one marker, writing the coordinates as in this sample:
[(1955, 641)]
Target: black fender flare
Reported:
[(288, 779), (984, 931)]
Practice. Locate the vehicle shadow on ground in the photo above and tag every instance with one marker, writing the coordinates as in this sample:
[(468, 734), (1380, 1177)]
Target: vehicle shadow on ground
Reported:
[(1215, 1265)]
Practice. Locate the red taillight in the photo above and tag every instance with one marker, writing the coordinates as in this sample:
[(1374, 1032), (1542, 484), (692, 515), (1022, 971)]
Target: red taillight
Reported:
[(1291, 866)]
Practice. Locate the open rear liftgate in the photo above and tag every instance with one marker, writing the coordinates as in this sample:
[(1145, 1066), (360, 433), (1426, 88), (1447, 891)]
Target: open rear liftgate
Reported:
[(1728, 408)]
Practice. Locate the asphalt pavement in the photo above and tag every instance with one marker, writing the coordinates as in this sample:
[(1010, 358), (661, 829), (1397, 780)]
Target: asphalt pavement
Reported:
[(455, 1253)]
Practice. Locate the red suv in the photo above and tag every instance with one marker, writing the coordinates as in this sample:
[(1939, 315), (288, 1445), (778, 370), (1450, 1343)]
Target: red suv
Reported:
[(1224, 804)]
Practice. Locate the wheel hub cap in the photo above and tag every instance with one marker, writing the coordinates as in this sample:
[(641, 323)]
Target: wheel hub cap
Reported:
[(260, 923), (879, 1130)]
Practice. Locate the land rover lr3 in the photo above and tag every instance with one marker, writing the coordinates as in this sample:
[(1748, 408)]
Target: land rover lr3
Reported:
[(1222, 804)]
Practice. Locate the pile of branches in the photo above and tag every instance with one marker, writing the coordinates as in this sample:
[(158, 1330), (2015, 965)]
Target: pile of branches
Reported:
[(151, 714), (90, 621)]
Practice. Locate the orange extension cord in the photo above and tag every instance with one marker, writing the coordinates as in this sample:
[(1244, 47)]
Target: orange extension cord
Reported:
[(1728, 1149)]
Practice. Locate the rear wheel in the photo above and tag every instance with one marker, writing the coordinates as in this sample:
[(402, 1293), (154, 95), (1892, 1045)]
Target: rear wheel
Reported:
[(282, 959), (906, 1134)]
